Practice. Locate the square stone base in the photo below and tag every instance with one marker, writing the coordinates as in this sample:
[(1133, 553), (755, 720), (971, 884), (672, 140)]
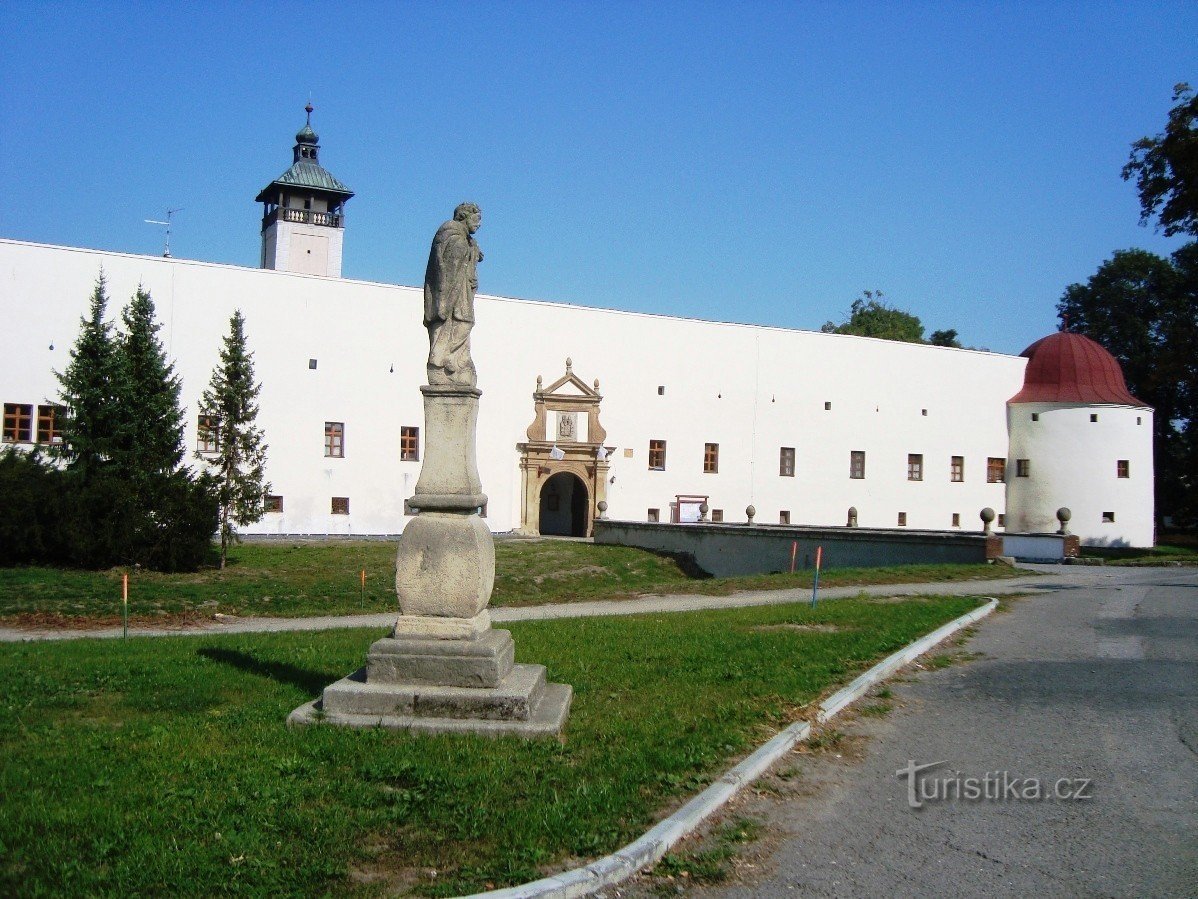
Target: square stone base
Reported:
[(444, 686)]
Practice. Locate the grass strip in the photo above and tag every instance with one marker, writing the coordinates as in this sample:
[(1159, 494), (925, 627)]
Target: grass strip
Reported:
[(163, 766), (296, 579)]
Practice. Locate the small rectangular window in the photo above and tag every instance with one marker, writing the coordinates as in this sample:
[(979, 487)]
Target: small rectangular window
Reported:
[(18, 423), (1035, 416), (827, 407), (784, 517), (1123, 468), (914, 466), (957, 469), (902, 519), (1023, 468), (857, 464), (49, 424), (956, 519), (653, 515), (409, 444), (1108, 517), (1094, 417), (711, 458), (312, 364), (661, 390), (786, 462), (272, 503), (334, 439), (340, 505), (996, 470), (207, 433), (1002, 520), (657, 455), (717, 515)]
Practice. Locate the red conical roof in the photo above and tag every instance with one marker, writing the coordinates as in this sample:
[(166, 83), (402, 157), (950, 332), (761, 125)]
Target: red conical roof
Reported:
[(1069, 368)]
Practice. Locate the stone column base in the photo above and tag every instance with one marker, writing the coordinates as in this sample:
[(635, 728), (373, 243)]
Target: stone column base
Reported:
[(439, 685)]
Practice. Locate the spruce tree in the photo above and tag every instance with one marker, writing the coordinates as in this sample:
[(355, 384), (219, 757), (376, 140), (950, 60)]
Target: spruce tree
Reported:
[(240, 461), (150, 434), (90, 392)]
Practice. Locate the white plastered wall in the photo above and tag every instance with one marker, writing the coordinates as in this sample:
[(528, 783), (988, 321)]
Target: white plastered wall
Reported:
[(750, 389), (1073, 463)]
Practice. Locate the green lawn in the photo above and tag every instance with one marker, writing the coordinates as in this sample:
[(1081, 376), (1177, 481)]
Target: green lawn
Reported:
[(163, 766), (1179, 549), (284, 578)]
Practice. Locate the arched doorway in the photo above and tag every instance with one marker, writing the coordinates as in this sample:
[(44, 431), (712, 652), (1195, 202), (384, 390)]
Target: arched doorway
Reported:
[(564, 503)]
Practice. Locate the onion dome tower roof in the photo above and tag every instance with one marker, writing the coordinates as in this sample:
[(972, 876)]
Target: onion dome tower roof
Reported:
[(306, 172), (1070, 368)]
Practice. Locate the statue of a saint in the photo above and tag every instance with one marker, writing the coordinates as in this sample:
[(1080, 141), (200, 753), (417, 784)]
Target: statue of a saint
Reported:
[(449, 285)]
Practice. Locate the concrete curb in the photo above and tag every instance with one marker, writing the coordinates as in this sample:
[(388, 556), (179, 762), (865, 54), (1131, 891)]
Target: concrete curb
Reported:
[(659, 839)]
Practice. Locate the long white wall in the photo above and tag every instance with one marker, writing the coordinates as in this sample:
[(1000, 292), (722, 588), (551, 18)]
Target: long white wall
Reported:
[(750, 389)]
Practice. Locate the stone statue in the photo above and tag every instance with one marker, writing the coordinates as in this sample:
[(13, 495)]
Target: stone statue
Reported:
[(449, 285)]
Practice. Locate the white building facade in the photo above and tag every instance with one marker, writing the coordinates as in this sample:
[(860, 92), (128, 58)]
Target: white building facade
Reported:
[(650, 415)]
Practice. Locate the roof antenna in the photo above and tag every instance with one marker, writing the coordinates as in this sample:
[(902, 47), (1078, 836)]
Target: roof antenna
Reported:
[(166, 252)]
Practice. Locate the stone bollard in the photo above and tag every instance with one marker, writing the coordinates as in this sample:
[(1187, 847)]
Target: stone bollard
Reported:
[(602, 507), (750, 513), (1063, 516), (987, 516)]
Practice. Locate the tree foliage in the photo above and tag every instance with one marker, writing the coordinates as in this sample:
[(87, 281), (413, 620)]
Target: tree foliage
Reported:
[(1144, 310), (870, 317), (240, 462), (118, 493), (947, 337), (90, 390), (1166, 168)]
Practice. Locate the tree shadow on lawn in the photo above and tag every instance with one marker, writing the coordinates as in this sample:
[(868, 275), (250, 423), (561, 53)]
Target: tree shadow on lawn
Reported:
[(310, 682)]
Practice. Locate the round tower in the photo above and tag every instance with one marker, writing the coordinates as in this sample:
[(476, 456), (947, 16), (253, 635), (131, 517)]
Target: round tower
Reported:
[(1079, 439), (303, 213)]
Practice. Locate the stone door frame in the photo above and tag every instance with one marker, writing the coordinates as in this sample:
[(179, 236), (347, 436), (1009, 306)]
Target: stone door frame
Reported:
[(586, 459)]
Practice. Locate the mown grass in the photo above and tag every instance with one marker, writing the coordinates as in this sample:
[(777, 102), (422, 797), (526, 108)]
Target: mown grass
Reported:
[(163, 766), (288, 579), (1181, 548)]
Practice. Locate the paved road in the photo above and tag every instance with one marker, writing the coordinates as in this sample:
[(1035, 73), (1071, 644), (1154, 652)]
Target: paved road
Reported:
[(1096, 682), (1047, 577)]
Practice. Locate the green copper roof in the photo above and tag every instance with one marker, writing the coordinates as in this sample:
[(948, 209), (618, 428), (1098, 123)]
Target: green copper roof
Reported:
[(304, 173)]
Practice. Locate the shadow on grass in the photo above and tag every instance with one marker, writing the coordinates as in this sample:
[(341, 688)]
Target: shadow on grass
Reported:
[(311, 682)]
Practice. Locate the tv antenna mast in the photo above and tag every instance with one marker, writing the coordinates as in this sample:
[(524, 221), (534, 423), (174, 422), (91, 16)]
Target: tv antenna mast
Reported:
[(166, 252)]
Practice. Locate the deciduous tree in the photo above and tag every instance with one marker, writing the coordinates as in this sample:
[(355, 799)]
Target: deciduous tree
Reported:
[(1166, 168)]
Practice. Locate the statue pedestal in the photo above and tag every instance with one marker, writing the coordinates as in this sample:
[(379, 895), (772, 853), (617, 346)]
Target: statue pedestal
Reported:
[(444, 669)]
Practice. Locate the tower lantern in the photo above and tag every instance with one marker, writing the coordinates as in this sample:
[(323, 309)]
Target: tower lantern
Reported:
[(303, 213)]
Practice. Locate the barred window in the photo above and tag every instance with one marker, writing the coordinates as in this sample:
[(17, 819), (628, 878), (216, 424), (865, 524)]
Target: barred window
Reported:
[(711, 458), (49, 424), (957, 469), (18, 423), (334, 439), (996, 470), (786, 462), (857, 464), (409, 444), (914, 466), (207, 433), (340, 505), (657, 455), (1023, 468), (1123, 468), (272, 503)]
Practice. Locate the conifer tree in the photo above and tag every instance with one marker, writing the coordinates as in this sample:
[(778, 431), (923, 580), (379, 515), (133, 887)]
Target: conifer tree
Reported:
[(240, 461), (150, 435), (89, 390)]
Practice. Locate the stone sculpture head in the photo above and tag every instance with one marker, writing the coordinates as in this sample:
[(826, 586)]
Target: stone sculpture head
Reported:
[(470, 214)]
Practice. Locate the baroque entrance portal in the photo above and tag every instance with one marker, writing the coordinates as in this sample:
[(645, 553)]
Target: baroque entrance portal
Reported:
[(565, 438)]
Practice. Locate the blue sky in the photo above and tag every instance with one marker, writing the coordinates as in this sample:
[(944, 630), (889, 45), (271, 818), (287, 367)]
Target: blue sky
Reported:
[(753, 162)]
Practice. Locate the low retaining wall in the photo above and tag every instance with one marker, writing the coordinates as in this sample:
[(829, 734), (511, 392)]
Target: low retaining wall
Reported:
[(1041, 547), (724, 550)]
